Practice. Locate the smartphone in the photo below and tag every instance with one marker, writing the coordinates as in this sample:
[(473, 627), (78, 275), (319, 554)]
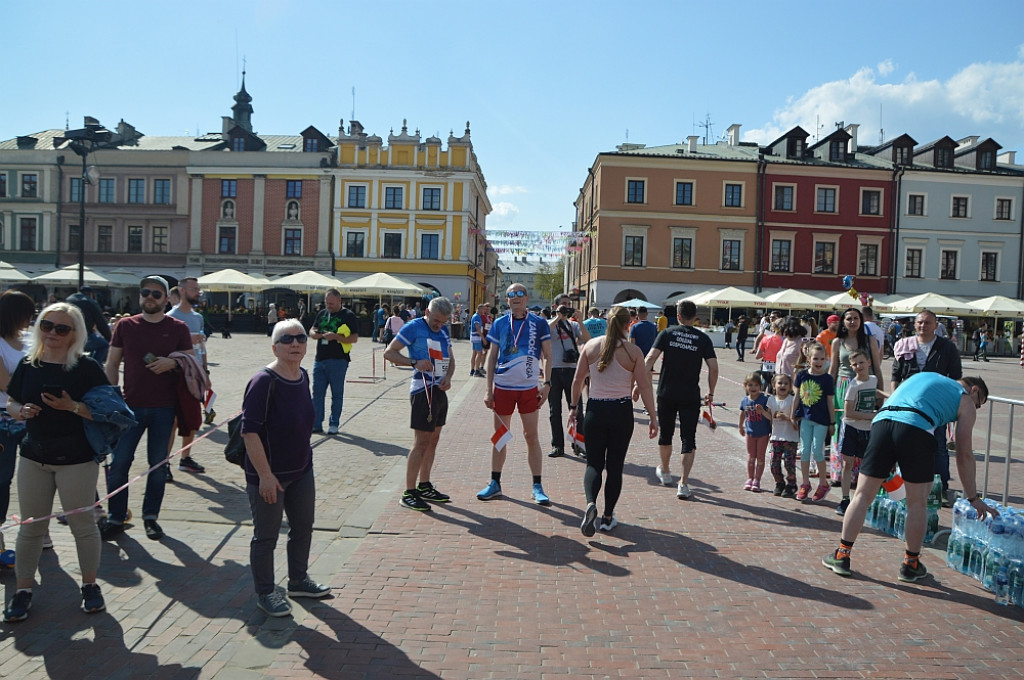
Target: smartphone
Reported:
[(149, 358), (53, 390)]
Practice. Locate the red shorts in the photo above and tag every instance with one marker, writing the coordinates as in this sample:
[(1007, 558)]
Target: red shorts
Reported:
[(506, 401)]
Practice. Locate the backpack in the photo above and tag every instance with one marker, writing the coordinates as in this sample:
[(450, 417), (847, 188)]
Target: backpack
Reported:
[(234, 450)]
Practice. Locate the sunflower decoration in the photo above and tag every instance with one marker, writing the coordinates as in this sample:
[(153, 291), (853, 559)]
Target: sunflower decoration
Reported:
[(810, 392)]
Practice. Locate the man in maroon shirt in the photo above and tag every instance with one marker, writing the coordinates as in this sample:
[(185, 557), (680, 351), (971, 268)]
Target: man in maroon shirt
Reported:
[(144, 342)]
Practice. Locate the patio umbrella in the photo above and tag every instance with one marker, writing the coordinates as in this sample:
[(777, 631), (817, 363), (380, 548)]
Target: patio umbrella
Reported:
[(940, 304), (731, 297), (122, 277), (308, 281), (637, 302), (230, 280), (8, 274), (381, 284), (795, 299), (998, 305), (843, 300), (68, 276)]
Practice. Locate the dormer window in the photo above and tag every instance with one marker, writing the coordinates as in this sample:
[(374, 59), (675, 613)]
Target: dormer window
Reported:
[(310, 144), (238, 143), (901, 155), (837, 151), (795, 148), (943, 157), (987, 160)]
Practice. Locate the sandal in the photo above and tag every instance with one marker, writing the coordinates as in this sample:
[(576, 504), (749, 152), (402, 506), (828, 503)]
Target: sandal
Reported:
[(822, 491), (805, 488), (749, 485)]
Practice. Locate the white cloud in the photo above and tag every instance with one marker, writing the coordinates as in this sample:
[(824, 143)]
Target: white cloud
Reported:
[(505, 190), (505, 211), (886, 67), (984, 99)]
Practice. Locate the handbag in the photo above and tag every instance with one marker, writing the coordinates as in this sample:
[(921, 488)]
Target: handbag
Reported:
[(234, 449)]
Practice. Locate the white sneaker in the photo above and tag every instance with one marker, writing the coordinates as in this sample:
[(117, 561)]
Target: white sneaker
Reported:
[(333, 429), (47, 542), (664, 477), (683, 491), (609, 525)]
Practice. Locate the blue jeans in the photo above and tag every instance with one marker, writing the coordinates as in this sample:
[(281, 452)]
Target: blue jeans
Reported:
[(329, 372), (159, 423)]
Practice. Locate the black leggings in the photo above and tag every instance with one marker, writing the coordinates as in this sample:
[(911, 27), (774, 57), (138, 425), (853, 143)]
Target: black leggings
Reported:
[(607, 429)]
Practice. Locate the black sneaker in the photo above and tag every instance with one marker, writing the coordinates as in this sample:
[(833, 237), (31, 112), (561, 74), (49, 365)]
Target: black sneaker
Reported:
[(556, 453), (414, 502), (843, 505), (167, 471), (109, 531), (909, 574), (427, 492), (153, 530), (307, 587), (790, 492), (18, 608), (840, 565), (779, 488), (190, 465), (92, 599)]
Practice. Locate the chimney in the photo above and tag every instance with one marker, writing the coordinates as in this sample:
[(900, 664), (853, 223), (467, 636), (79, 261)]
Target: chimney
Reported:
[(691, 143), (734, 134), (851, 129), (1008, 158)]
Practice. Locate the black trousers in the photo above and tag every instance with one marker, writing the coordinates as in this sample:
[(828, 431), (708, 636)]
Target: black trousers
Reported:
[(561, 384)]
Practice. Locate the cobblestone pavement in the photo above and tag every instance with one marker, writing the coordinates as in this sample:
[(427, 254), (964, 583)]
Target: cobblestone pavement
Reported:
[(726, 585)]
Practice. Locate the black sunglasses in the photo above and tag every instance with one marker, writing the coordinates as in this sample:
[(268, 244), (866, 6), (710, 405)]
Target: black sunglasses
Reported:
[(289, 339), (516, 293), (59, 328), (154, 293)]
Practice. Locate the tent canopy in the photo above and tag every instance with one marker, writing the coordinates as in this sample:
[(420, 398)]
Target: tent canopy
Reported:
[(637, 302), (8, 274), (68, 276), (381, 284), (940, 304), (730, 297), (796, 299), (998, 305), (229, 280), (307, 281)]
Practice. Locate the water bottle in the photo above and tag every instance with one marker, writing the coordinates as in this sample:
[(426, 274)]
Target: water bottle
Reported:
[(992, 559), (974, 566), (955, 553), (932, 526), (1015, 570), (959, 510), (1002, 587), (935, 496), (899, 523)]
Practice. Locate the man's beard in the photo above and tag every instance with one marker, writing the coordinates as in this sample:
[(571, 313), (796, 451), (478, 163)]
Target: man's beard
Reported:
[(193, 301)]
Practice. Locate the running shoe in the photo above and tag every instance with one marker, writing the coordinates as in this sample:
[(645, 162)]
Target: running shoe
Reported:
[(274, 604), (490, 492), (749, 486), (539, 497), (805, 489), (589, 525), (909, 574), (307, 587), (18, 608), (663, 477), (683, 491), (92, 599), (153, 530), (839, 565), (413, 501), (821, 492), (609, 524), (47, 542), (427, 492), (779, 488), (188, 464), (843, 505)]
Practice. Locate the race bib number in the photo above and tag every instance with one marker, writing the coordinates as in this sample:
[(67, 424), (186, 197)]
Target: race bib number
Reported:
[(768, 366)]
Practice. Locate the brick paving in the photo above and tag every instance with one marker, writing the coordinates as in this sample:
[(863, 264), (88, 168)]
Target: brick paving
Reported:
[(726, 585)]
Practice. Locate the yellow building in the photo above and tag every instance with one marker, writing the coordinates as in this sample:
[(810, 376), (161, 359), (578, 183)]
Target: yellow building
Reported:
[(412, 209)]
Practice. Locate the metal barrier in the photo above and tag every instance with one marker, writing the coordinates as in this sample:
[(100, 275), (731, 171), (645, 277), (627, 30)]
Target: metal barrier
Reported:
[(1013, 403)]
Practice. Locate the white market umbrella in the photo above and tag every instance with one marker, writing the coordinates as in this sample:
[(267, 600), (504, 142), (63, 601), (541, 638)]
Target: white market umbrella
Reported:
[(9, 274), (68, 276), (843, 300), (673, 301), (123, 277), (308, 281), (940, 304), (637, 302), (380, 284), (796, 299), (231, 280), (998, 305), (731, 297)]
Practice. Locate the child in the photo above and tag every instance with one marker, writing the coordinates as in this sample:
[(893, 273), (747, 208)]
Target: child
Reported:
[(755, 426), (813, 409), (860, 405), (784, 436)]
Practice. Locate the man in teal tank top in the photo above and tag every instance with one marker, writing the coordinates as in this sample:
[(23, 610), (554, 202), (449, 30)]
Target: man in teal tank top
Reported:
[(902, 433)]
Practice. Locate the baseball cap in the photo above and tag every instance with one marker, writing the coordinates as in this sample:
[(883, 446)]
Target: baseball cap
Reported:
[(154, 279), (833, 318)]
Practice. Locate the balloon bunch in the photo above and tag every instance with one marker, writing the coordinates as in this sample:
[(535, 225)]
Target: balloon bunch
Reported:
[(865, 299)]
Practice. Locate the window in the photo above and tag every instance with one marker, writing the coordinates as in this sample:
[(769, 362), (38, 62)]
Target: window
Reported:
[(682, 253), (293, 188), (986, 160), (107, 190), (781, 256), (134, 239), (1004, 209), (75, 194), (914, 257), (238, 143), (162, 191), (429, 246), (948, 268), (684, 193), (826, 200), (733, 195), (74, 238), (635, 191), (293, 242), (27, 233), (3, 185), (357, 197), (355, 244), (432, 199), (783, 198), (959, 207), (915, 204), (229, 188), (310, 144), (989, 266), (836, 151), (731, 255), (901, 155), (633, 252), (824, 257), (29, 185), (105, 239), (136, 191), (392, 245), (943, 157), (159, 239), (871, 202), (226, 240), (393, 198), (794, 147), (867, 260)]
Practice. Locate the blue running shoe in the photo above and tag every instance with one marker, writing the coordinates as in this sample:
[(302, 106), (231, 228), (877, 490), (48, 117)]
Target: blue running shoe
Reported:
[(491, 491), (539, 497)]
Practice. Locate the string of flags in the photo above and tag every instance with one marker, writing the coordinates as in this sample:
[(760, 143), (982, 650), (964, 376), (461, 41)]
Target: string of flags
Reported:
[(533, 243)]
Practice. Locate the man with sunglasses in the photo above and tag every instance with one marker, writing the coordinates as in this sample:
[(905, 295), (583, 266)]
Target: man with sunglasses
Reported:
[(144, 343), (902, 433), (333, 328), (519, 341)]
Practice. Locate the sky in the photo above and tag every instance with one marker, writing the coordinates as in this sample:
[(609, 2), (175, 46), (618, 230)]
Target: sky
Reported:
[(545, 86)]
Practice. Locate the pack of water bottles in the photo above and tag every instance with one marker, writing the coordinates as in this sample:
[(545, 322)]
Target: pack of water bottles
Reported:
[(991, 551), (888, 512)]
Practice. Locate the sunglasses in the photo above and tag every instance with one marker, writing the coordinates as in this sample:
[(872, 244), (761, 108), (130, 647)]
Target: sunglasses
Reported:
[(289, 339), (59, 328), (154, 293), (516, 293)]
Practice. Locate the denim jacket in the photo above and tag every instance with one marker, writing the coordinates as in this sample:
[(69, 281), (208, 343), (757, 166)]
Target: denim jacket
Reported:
[(110, 418)]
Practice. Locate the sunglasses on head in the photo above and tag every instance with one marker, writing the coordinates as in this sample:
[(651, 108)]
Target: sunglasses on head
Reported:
[(59, 328), (289, 339), (516, 293), (154, 293)]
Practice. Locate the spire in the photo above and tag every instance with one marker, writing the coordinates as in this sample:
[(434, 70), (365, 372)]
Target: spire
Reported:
[(243, 107)]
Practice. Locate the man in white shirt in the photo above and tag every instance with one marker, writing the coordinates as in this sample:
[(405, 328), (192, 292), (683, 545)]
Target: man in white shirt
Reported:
[(873, 329)]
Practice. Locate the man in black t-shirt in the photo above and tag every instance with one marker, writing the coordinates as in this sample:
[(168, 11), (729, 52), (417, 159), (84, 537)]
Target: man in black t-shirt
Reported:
[(741, 337), (685, 349), (335, 329)]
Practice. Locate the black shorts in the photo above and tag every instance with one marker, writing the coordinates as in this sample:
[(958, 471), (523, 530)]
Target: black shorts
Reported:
[(438, 410), (892, 442), (855, 442), (688, 411)]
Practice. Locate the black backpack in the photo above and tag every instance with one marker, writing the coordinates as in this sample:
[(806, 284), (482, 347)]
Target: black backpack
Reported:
[(234, 450)]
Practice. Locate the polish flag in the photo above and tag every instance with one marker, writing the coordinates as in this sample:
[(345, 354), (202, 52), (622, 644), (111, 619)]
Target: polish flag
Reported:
[(894, 487), (577, 437), (434, 349), (211, 397), (501, 437)]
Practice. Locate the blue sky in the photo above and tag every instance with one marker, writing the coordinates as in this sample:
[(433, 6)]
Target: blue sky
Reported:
[(545, 85)]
